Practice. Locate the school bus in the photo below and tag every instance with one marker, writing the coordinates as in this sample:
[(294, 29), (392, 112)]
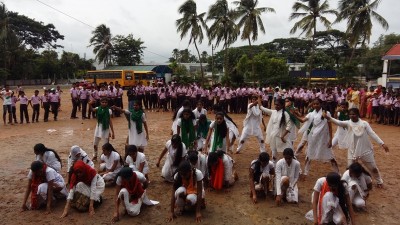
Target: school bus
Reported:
[(146, 78), (125, 78)]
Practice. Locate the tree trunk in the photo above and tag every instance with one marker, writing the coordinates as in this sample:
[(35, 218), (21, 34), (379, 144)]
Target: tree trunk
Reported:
[(253, 68), (201, 64), (353, 52)]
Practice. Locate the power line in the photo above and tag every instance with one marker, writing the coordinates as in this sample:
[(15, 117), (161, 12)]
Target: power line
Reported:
[(65, 14), (80, 21)]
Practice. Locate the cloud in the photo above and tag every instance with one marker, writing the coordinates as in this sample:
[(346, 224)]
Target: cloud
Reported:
[(154, 22)]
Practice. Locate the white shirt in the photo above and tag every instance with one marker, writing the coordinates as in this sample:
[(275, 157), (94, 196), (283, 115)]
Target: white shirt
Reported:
[(283, 169), (135, 164), (109, 160)]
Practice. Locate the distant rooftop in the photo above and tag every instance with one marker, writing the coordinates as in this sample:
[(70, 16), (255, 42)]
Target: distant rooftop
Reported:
[(393, 53), (156, 68)]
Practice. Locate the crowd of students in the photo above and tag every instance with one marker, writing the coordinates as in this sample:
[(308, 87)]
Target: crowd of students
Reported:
[(199, 152)]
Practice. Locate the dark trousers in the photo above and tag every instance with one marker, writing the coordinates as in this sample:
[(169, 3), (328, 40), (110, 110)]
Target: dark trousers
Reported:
[(14, 113), (46, 107), (75, 104), (23, 112), (84, 103), (54, 108), (35, 113), (153, 101), (147, 100)]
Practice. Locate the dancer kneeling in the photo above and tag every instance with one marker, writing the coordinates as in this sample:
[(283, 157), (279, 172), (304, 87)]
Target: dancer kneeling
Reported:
[(287, 172), (131, 190), (220, 170), (188, 191), (331, 202), (261, 172), (359, 183), (86, 187), (44, 182)]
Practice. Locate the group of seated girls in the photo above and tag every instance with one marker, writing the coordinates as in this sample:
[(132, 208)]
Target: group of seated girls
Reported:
[(86, 184)]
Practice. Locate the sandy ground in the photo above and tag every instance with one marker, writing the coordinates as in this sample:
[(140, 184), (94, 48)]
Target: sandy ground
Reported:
[(233, 207)]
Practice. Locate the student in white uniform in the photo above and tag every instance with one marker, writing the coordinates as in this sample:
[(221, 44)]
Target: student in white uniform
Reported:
[(233, 130), (131, 192), (103, 126), (218, 135), (47, 156), (86, 188), (342, 114), (251, 125), (261, 173), (278, 128), (176, 152), (110, 163), (137, 160), (198, 161), (137, 121), (287, 173), (220, 170), (358, 145), (187, 191), (44, 183), (185, 105), (76, 154), (186, 128), (331, 202), (199, 110), (359, 183), (319, 145)]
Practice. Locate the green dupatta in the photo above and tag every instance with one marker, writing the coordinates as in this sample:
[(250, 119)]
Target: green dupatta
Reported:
[(292, 117), (187, 132), (103, 117), (217, 140), (136, 116)]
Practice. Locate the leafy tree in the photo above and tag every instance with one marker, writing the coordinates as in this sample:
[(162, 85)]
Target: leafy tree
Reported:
[(127, 50), (334, 43), (191, 24), (292, 49), (359, 14), (320, 60), (310, 11), (101, 40)]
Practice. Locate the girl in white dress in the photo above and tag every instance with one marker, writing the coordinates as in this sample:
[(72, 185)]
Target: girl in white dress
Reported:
[(342, 114), (186, 128), (331, 202), (185, 105), (76, 154), (278, 128), (110, 163), (176, 150), (233, 130), (47, 156), (137, 121), (103, 126), (251, 125), (359, 183), (218, 133), (359, 147), (320, 138), (137, 160)]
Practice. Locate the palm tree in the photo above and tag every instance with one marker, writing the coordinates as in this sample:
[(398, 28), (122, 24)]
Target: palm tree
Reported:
[(250, 21), (250, 18), (101, 40), (312, 10), (193, 24), (223, 28), (358, 14)]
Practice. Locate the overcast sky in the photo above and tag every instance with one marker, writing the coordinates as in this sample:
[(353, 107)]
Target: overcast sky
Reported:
[(154, 22)]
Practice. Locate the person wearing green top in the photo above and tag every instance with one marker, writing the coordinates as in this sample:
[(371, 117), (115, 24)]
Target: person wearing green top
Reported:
[(218, 133), (187, 128), (104, 123), (202, 129), (136, 122)]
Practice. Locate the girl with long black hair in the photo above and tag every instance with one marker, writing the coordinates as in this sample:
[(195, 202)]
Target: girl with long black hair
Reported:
[(48, 156)]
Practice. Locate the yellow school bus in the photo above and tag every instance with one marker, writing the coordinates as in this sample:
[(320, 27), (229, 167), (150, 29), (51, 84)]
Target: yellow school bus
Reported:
[(147, 78), (125, 78)]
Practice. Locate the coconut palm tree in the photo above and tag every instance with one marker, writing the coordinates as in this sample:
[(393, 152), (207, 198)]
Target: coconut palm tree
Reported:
[(223, 28), (101, 40), (192, 24), (250, 18), (358, 14), (310, 11)]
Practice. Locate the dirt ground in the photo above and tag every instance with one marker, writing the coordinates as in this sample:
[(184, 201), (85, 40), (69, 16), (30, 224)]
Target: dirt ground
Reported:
[(233, 207)]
